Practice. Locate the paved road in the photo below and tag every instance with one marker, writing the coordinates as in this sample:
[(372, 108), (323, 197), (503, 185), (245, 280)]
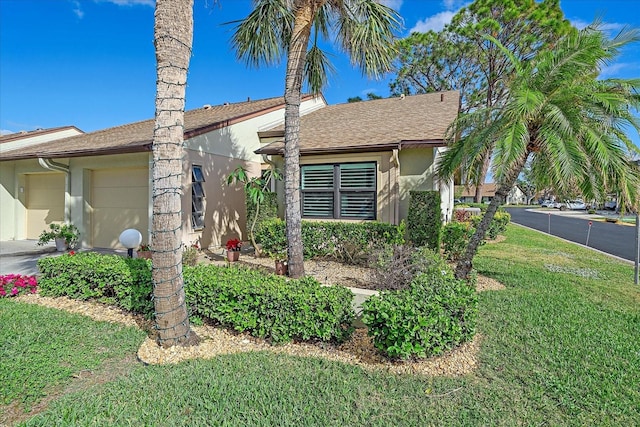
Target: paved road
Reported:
[(614, 239)]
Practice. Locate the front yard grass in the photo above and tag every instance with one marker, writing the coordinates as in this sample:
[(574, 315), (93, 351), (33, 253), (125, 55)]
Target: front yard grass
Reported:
[(560, 347)]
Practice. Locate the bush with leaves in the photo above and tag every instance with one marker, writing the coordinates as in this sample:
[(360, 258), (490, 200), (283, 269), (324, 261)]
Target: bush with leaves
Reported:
[(436, 313), (424, 218), (112, 279), (348, 242), (269, 306), (395, 266), (455, 237), (264, 305), (498, 224)]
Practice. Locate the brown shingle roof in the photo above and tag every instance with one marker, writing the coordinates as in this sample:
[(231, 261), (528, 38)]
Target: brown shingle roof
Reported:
[(379, 124), (28, 134), (137, 137), (488, 190)]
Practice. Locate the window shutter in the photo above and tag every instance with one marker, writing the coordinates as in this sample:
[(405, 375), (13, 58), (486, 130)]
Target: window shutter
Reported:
[(358, 175), (316, 177), (318, 205), (358, 205)]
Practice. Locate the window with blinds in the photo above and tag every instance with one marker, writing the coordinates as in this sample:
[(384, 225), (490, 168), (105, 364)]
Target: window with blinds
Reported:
[(197, 198), (346, 190)]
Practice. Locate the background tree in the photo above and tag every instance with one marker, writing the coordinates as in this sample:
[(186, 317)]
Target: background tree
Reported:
[(461, 58), (362, 28), (562, 119), (370, 96), (173, 36)]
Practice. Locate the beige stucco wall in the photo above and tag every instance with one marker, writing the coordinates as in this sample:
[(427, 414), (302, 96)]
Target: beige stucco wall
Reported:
[(240, 140), (225, 210), (8, 202)]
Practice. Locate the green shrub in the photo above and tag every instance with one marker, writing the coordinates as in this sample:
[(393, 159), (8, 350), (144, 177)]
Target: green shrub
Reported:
[(434, 314), (347, 242), (424, 219), (395, 266), (498, 224), (265, 305), (269, 306), (125, 282), (455, 238)]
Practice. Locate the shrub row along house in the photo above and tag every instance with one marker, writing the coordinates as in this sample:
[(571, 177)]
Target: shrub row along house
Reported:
[(358, 162)]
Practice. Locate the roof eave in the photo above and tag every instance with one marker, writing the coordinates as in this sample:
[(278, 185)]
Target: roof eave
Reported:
[(78, 153), (357, 148)]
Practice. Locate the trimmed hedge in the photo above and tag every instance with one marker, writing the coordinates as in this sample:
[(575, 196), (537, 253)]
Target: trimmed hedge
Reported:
[(455, 238), (347, 242), (424, 219), (268, 208), (112, 279), (437, 313), (269, 306), (265, 305)]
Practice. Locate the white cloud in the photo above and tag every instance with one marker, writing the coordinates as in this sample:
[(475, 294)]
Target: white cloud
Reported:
[(435, 22), (77, 10), (619, 69), (607, 27), (393, 4), (6, 132)]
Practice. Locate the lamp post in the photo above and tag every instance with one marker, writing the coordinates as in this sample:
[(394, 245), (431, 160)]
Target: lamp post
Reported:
[(130, 239)]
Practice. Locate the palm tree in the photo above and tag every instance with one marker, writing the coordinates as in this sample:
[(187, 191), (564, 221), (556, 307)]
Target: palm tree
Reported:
[(173, 36), (363, 28), (568, 124)]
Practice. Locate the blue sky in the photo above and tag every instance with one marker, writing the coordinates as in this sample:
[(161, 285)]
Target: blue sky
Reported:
[(91, 63)]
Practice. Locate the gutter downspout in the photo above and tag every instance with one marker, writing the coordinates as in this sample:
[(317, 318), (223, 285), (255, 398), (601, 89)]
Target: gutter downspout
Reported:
[(55, 166), (396, 159)]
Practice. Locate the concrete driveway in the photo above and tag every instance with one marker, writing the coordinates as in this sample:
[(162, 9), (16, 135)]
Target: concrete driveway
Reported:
[(21, 256)]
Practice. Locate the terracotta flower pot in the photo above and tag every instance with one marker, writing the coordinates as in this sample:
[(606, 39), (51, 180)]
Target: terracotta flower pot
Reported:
[(281, 268), (233, 256)]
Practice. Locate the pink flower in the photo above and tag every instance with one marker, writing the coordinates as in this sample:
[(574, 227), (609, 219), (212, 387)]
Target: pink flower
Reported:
[(14, 291)]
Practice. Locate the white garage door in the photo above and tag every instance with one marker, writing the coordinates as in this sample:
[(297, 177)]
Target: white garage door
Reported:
[(45, 202), (119, 198)]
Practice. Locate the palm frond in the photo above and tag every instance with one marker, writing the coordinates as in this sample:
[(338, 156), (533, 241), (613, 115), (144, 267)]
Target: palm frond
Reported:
[(263, 36)]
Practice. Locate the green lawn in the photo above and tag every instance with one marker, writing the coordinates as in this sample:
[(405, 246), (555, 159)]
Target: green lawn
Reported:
[(561, 346)]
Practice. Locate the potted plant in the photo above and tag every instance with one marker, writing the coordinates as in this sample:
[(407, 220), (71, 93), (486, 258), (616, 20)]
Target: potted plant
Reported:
[(233, 249), (144, 251), (64, 235), (280, 257)]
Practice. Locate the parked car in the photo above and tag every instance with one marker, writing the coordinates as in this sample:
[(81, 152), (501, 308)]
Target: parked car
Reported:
[(573, 205), (610, 205), (549, 204)]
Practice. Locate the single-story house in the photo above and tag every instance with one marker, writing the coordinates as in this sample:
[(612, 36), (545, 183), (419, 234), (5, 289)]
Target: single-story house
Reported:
[(358, 161), (100, 181), (467, 194)]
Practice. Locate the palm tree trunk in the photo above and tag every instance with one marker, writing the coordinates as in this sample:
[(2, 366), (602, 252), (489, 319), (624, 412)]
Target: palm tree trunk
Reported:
[(465, 265), (173, 39), (304, 13)]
